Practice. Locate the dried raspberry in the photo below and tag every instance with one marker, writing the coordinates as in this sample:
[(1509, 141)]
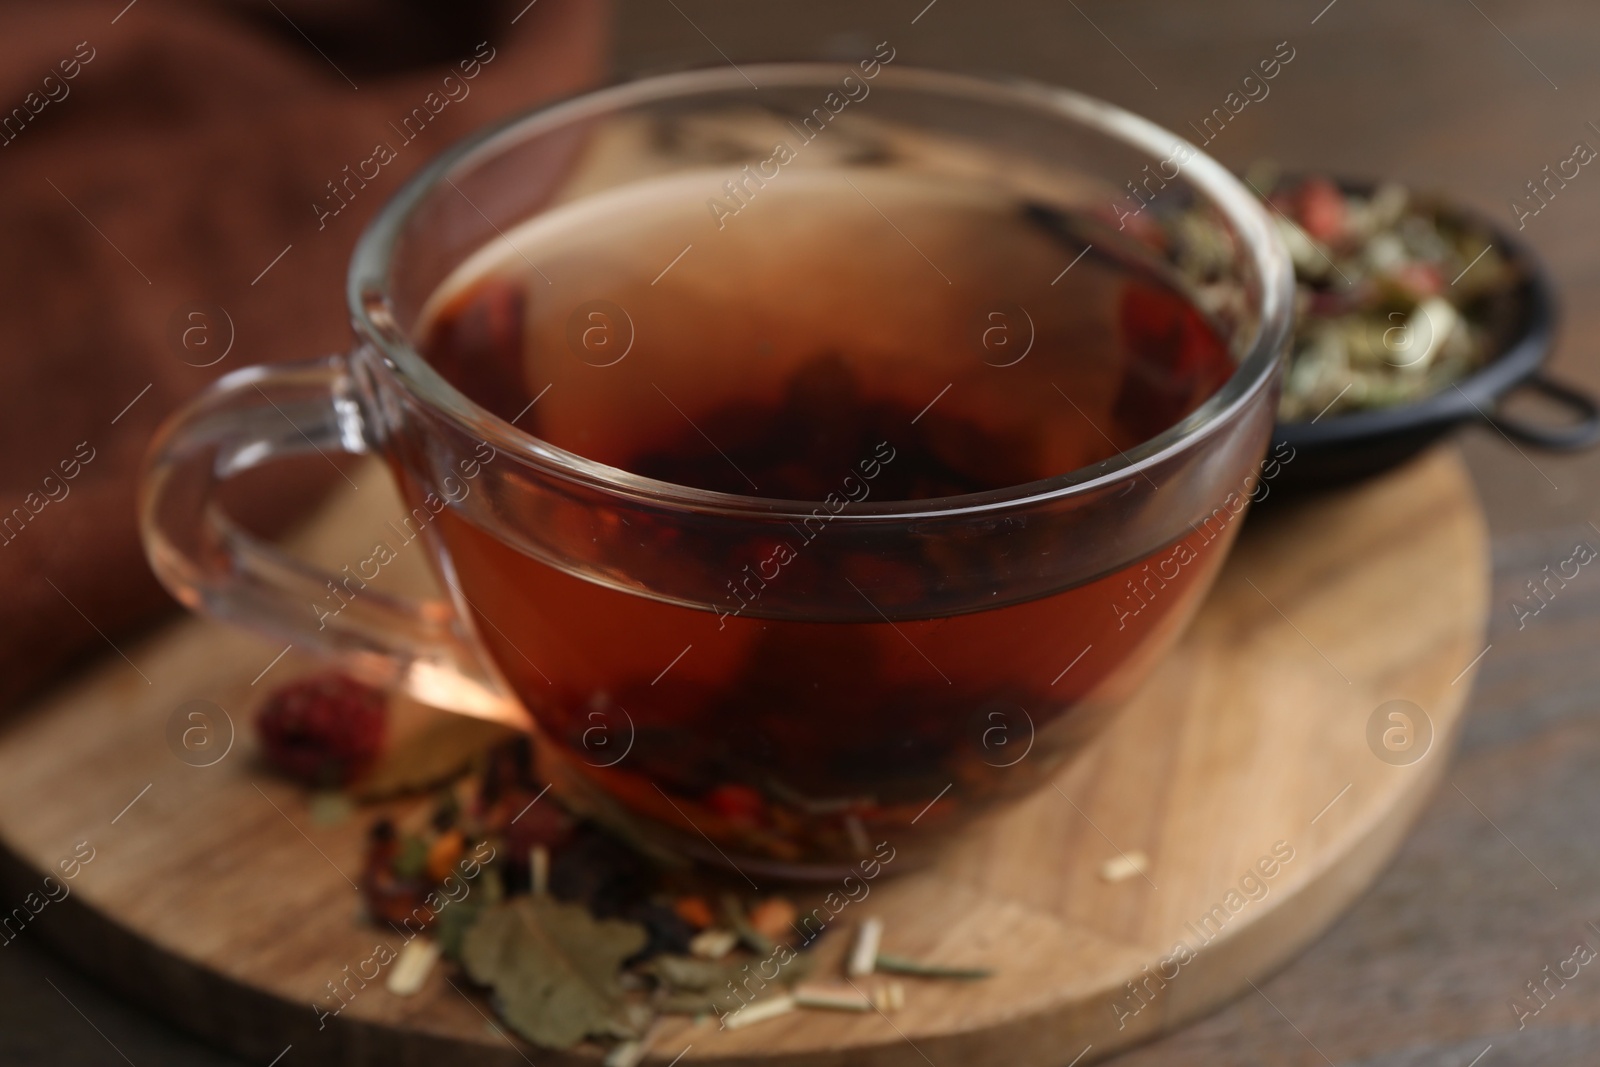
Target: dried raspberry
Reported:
[(324, 731)]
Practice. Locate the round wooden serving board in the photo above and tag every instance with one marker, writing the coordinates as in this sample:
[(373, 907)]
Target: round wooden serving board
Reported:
[(214, 898)]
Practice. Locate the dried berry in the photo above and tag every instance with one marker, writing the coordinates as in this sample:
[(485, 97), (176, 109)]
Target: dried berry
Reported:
[(666, 931), (541, 822), (739, 804), (443, 854), (510, 768), (694, 911), (381, 835), (390, 896), (597, 869), (771, 917), (325, 730)]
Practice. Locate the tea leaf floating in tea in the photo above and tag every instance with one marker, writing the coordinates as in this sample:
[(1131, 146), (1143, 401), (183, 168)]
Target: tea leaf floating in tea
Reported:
[(553, 968)]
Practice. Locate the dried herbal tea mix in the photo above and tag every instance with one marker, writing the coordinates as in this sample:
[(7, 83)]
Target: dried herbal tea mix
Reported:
[(574, 935), (1396, 296), (1393, 297)]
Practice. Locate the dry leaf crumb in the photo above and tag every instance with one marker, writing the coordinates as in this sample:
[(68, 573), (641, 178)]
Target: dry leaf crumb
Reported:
[(411, 970), (760, 1011), (864, 955), (713, 944), (831, 998), (1121, 868)]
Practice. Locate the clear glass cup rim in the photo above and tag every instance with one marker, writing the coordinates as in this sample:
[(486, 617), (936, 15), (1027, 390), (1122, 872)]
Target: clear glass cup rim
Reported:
[(371, 306)]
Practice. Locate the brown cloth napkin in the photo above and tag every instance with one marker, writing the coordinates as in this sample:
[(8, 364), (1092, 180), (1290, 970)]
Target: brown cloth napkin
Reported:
[(166, 153)]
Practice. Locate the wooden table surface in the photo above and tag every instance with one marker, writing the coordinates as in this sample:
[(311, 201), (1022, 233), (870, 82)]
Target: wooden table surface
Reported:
[(1502, 876)]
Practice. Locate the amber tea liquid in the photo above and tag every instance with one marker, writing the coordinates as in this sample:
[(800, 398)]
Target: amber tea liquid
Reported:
[(810, 349)]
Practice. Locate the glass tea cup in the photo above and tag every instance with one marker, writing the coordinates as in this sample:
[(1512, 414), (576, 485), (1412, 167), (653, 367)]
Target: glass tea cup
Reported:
[(862, 655)]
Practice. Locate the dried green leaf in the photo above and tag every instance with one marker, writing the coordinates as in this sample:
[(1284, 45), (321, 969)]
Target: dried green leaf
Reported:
[(438, 752), (693, 986), (553, 968), (754, 940), (904, 965), (453, 924), (413, 857), (686, 1004), (689, 974)]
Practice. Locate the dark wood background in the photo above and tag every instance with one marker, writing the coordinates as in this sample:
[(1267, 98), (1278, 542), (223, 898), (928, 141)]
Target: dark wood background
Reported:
[(1502, 875)]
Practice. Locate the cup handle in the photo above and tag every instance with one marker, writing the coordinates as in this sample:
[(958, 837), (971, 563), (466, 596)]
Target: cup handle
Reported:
[(212, 566)]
